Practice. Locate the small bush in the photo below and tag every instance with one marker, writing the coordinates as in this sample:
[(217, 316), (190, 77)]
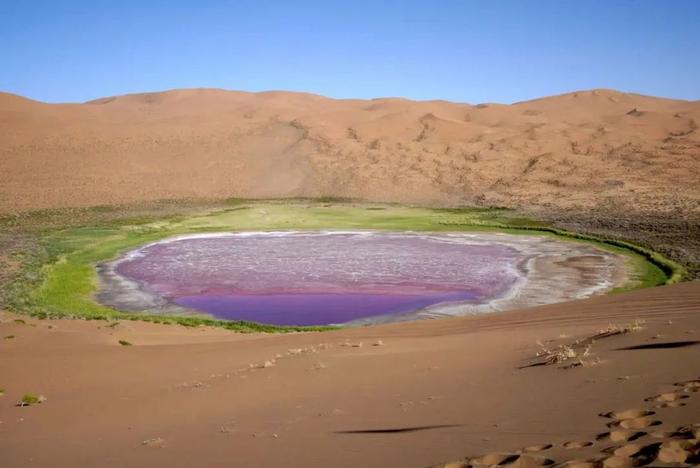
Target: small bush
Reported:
[(31, 399), (561, 353), (124, 343), (613, 329)]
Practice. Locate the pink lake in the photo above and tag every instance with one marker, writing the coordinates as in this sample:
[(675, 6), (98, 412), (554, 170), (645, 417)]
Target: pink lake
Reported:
[(321, 278)]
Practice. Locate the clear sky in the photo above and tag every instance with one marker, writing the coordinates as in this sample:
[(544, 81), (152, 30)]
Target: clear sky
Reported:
[(459, 50)]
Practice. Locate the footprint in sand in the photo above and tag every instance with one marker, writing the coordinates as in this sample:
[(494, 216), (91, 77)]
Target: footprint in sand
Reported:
[(635, 423), (617, 462), (627, 450), (495, 459), (627, 414), (621, 435), (661, 434), (509, 459), (667, 397), (671, 452), (631, 419), (691, 431), (670, 404), (680, 447), (689, 386), (679, 451), (454, 464), (580, 464), (538, 448), (576, 444)]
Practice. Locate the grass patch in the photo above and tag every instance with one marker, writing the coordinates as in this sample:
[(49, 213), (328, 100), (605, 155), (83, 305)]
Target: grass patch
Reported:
[(30, 399), (124, 343), (58, 278)]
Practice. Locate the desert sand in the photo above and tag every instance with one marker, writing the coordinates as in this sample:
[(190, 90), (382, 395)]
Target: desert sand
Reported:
[(607, 381), (599, 149), (411, 394)]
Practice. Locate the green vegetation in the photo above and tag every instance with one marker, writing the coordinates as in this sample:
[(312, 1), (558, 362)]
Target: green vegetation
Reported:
[(57, 277), (31, 399)]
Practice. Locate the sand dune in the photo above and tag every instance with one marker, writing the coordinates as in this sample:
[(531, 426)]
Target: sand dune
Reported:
[(484, 389), (608, 381), (590, 149)]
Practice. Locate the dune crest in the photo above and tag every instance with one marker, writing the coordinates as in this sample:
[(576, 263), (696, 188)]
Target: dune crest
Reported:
[(598, 148)]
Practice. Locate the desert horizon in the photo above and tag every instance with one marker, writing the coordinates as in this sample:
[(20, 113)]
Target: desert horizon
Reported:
[(102, 98), (526, 154)]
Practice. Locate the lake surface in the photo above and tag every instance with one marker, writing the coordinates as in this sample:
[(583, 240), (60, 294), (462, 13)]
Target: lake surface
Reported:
[(321, 278)]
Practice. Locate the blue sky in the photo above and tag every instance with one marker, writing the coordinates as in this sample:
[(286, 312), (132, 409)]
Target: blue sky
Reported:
[(468, 51)]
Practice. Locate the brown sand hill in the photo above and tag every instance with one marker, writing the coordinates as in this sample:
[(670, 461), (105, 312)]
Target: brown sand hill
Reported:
[(401, 395), (599, 148)]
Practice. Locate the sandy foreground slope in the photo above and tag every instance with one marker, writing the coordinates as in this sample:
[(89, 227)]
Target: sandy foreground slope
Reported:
[(207, 397), (599, 149)]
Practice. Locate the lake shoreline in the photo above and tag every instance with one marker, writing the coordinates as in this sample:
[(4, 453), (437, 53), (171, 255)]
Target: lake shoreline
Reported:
[(551, 274)]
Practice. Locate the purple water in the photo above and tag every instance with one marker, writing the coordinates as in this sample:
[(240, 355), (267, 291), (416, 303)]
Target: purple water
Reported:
[(313, 309), (321, 278)]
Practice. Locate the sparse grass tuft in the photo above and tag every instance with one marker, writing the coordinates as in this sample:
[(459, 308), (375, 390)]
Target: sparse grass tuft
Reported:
[(578, 353), (9, 337), (30, 399), (124, 343), (562, 353), (613, 329)]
